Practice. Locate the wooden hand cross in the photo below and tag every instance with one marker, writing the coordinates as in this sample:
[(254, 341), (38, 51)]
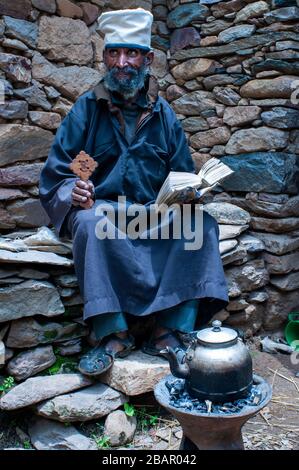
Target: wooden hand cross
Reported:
[(83, 166)]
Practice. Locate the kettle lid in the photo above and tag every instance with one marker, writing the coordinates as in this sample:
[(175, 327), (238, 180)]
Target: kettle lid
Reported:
[(216, 334)]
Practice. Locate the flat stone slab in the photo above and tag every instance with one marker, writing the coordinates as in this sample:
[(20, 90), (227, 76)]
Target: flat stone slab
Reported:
[(231, 48), (29, 298), (27, 332), (15, 246), (279, 305), (278, 244), (274, 225), (227, 245), (226, 213), (282, 264), (239, 253), (252, 244), (46, 240), (36, 389), (88, 404), (48, 435), (34, 256), (30, 362), (136, 374), (286, 283), (271, 172), (256, 140), (230, 231), (36, 143)]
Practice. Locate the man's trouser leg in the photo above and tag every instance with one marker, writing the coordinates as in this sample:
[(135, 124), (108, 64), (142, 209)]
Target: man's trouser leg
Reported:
[(181, 317), (107, 323)]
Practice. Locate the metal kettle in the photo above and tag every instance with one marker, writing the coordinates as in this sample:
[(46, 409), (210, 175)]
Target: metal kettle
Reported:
[(217, 365)]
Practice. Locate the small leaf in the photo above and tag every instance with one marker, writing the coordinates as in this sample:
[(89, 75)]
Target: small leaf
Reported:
[(129, 409)]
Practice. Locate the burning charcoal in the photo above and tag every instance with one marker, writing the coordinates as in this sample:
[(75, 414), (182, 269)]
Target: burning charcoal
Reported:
[(241, 403), (228, 405), (178, 387), (180, 398)]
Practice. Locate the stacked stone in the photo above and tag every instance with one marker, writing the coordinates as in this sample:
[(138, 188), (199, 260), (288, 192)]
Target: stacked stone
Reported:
[(236, 93), (230, 71), (64, 398), (50, 53)]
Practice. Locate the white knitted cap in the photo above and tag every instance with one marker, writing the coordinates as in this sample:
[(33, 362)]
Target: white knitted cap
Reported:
[(127, 28)]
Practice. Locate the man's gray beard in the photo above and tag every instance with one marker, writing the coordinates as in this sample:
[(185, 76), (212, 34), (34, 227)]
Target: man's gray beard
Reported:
[(128, 87)]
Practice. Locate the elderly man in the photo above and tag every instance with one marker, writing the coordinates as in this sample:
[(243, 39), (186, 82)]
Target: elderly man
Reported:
[(134, 136)]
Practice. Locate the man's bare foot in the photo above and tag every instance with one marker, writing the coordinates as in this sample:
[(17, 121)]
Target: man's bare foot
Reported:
[(171, 340), (115, 346)]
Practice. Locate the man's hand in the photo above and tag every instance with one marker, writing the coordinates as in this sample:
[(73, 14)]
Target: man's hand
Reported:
[(83, 194), (188, 196)]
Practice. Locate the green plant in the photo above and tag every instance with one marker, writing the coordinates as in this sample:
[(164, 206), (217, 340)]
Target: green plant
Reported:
[(144, 419), (62, 362), (102, 442), (153, 419), (27, 444), (50, 334), (129, 409), (7, 384)]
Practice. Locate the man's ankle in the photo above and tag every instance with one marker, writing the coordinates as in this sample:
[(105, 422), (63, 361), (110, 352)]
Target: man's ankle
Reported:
[(160, 330), (122, 334)]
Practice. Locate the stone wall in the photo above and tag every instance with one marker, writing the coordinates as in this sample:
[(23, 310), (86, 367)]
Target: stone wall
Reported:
[(229, 70), (236, 69)]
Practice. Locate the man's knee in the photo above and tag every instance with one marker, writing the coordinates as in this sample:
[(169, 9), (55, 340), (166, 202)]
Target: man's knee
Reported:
[(85, 221)]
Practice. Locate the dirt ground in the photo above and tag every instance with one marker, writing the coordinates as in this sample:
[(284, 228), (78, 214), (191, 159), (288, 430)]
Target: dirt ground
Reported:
[(276, 427)]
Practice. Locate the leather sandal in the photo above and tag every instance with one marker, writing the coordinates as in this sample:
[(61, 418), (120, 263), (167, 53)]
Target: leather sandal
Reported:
[(150, 348), (98, 360)]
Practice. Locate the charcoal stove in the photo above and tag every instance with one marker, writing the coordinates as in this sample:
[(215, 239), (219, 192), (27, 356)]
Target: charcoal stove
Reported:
[(212, 390), (212, 429)]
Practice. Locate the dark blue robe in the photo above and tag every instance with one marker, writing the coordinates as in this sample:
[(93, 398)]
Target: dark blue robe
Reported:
[(136, 276)]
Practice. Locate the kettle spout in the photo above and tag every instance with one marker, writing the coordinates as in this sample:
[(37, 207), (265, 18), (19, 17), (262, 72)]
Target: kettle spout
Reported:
[(178, 370)]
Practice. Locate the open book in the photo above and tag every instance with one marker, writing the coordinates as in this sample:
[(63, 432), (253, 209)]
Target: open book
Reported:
[(211, 173)]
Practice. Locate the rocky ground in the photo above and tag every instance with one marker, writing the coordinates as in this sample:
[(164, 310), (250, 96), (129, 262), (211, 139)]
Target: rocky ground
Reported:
[(276, 427)]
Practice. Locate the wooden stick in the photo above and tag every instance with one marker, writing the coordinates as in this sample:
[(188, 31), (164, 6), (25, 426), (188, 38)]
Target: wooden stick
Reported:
[(284, 377), (264, 417), (274, 377), (285, 404)]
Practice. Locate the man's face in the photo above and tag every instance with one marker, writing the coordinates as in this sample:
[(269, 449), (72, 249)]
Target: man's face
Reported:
[(127, 69)]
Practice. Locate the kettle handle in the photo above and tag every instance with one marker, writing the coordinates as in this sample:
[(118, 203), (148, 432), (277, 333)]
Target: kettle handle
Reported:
[(241, 334)]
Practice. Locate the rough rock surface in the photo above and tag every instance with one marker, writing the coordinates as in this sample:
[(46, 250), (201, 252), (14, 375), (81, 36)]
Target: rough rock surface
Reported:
[(83, 405), (36, 389), (30, 362), (120, 428), (28, 332), (65, 39), (136, 374), (48, 435), (29, 298)]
